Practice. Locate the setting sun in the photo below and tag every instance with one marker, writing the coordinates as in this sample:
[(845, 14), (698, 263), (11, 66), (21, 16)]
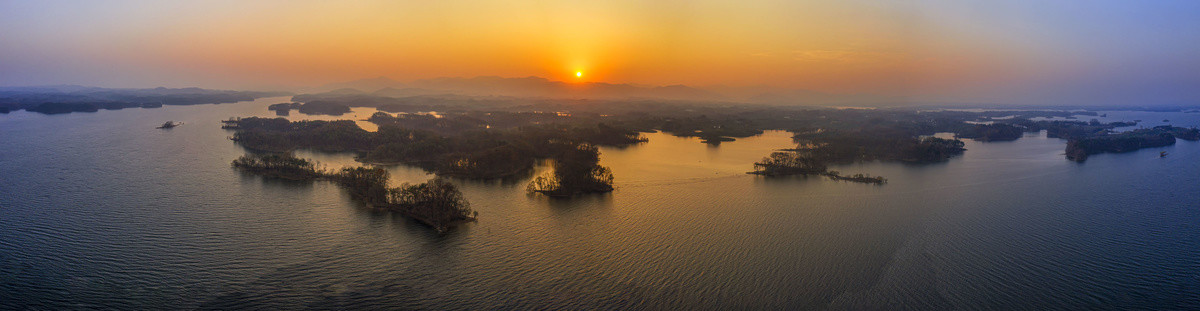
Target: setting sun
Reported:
[(578, 74)]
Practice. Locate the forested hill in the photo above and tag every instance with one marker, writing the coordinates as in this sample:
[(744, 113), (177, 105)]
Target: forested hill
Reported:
[(66, 99)]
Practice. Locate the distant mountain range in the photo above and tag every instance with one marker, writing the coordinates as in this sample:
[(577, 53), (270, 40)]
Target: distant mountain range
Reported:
[(538, 87)]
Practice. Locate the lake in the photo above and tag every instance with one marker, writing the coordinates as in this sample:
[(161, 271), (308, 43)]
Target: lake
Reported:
[(101, 210)]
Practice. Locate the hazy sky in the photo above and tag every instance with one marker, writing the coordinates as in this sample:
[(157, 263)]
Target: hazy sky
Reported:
[(1045, 51)]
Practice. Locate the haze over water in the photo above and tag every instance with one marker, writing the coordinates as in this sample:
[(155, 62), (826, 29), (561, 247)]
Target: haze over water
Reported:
[(1104, 52), (99, 210)]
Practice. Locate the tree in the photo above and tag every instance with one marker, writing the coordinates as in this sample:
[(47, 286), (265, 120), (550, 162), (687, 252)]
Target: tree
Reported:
[(576, 171)]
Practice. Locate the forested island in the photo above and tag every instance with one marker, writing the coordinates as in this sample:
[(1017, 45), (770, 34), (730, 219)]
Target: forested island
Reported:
[(991, 132), (67, 99), (323, 108), (504, 138), (436, 203), (1079, 148), (424, 141), (576, 171), (798, 163), (284, 109), (313, 108)]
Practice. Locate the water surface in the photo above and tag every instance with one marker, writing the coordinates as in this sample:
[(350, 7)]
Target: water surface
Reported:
[(101, 210)]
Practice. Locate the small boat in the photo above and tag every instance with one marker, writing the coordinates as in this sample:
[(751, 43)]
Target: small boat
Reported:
[(1162, 154), (169, 124)]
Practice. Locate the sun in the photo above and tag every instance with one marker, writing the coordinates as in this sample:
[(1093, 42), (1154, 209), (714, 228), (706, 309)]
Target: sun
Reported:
[(579, 74)]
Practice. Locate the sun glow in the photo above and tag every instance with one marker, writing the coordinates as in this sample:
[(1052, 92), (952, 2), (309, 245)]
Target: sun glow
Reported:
[(579, 74)]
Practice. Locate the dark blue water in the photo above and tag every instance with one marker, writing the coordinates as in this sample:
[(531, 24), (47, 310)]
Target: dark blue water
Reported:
[(101, 210)]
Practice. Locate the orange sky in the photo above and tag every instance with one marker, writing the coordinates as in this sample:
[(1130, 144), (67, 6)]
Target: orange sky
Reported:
[(943, 50)]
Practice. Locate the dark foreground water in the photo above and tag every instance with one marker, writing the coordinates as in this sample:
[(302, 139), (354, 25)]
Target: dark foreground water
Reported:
[(101, 210)]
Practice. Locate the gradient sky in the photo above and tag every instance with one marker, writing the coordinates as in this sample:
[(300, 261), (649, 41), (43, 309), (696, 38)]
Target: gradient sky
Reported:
[(1021, 52)]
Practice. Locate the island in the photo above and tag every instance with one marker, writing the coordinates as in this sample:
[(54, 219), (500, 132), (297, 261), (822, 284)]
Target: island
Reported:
[(57, 108), (991, 132), (284, 109), (711, 131), (504, 137), (311, 108), (795, 163), (435, 203), (1079, 148), (323, 108), (426, 142), (67, 99), (576, 171)]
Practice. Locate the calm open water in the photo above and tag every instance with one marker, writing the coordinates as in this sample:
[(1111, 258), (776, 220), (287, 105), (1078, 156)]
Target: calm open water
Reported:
[(101, 210)]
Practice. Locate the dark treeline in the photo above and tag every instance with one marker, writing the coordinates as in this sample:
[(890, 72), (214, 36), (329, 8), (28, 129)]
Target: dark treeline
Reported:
[(284, 109), (436, 203), (54, 100), (576, 171), (1079, 148), (281, 166), (787, 163), (281, 135), (1069, 129), (310, 108), (1094, 137), (445, 125), (323, 108), (991, 132), (503, 137), (711, 130), (711, 122), (57, 108), (820, 148), (1083, 138), (476, 153), (880, 143), (904, 137)]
